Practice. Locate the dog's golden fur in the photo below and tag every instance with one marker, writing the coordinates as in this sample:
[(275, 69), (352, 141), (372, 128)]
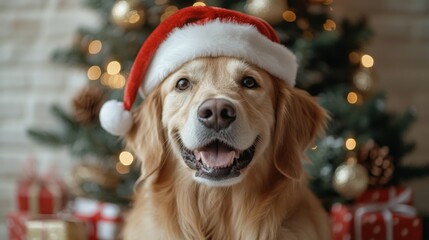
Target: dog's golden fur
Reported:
[(271, 202)]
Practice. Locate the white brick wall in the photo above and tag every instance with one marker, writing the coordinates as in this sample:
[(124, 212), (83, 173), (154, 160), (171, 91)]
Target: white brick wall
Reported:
[(29, 83)]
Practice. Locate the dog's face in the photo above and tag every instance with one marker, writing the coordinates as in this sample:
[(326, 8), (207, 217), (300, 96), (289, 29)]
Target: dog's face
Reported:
[(219, 114), (220, 117)]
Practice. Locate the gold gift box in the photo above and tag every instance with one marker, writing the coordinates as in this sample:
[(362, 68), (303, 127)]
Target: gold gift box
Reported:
[(56, 229)]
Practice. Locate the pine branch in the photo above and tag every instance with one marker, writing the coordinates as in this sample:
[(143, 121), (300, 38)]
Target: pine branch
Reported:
[(67, 120), (47, 138)]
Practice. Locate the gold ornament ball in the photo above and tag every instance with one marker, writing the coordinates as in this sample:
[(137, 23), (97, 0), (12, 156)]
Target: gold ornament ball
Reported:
[(350, 180), (269, 10), (128, 14)]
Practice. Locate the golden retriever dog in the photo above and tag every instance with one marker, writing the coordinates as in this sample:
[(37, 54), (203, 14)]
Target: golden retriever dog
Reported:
[(221, 144)]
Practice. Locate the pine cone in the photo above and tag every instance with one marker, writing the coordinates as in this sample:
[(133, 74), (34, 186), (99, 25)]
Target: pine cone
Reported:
[(87, 104), (378, 162)]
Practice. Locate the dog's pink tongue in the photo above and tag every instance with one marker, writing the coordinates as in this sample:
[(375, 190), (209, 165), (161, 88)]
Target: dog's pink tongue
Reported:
[(217, 155)]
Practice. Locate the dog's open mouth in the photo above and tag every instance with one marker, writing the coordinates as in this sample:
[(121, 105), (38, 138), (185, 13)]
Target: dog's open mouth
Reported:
[(218, 161)]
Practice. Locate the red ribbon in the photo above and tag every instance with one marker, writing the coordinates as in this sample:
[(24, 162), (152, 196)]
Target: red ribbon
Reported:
[(93, 211), (396, 204)]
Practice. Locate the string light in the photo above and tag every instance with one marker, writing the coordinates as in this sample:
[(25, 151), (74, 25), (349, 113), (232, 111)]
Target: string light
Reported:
[(94, 47), (303, 24), (113, 81), (350, 144), (126, 158), (113, 67), (199, 4), (367, 61), (94, 73), (134, 16), (289, 16), (122, 169), (352, 98), (354, 57), (168, 12), (105, 79), (329, 25), (116, 81)]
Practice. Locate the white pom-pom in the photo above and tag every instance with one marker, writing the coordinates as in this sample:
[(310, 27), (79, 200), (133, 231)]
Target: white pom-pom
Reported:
[(115, 119)]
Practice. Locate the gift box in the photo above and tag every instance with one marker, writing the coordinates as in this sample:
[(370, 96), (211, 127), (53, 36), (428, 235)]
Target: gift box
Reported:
[(380, 195), (23, 226), (40, 195), (56, 229), (375, 221), (16, 225), (104, 219)]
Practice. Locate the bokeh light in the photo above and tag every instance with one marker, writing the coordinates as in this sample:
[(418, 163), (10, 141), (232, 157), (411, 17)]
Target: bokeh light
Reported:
[(352, 98), (289, 16), (122, 169), (126, 158), (199, 4), (329, 25), (113, 67), (94, 73), (367, 61), (94, 47), (350, 144)]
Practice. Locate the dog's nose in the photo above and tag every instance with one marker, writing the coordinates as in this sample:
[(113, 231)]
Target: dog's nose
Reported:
[(216, 113)]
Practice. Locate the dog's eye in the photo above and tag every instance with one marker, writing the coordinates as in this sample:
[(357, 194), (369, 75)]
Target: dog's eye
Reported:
[(249, 82), (183, 84)]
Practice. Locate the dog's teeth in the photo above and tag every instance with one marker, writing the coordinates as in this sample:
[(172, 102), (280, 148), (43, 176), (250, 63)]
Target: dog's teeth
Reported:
[(237, 155)]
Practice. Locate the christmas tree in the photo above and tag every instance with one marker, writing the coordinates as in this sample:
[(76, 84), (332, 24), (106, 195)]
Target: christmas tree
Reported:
[(363, 143)]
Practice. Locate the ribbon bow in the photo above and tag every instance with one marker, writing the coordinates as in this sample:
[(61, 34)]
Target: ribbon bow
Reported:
[(395, 204)]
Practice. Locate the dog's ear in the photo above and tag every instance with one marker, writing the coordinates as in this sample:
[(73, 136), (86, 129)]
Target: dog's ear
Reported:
[(299, 119), (146, 137)]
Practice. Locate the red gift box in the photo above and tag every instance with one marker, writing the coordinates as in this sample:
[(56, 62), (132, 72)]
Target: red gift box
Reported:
[(104, 219), (40, 195), (16, 225), (375, 221), (380, 195)]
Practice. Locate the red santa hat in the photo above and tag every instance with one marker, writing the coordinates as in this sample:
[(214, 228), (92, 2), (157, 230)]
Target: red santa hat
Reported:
[(198, 32)]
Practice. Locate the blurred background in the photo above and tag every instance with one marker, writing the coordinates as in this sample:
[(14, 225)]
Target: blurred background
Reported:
[(47, 49)]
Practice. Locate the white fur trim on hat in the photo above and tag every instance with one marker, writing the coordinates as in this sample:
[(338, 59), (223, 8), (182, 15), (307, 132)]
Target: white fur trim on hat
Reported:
[(219, 38), (115, 119)]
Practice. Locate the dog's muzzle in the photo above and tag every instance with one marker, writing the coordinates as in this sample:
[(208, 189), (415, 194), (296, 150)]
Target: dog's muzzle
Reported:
[(218, 161), (215, 154)]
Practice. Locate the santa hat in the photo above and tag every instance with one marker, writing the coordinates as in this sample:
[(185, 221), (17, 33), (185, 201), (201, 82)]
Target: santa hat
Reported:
[(198, 32)]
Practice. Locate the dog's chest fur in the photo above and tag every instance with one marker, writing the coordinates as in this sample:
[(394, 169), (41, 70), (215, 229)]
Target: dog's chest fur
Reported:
[(193, 211)]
